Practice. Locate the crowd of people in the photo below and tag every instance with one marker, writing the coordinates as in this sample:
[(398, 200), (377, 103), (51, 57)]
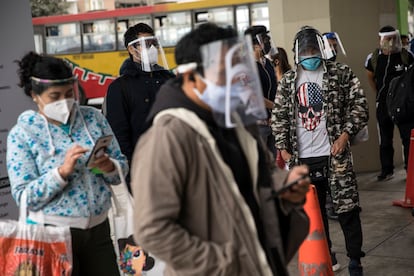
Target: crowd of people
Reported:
[(199, 147)]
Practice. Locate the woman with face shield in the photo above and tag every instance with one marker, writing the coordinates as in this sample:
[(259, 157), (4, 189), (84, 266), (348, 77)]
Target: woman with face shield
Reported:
[(203, 155), (47, 152)]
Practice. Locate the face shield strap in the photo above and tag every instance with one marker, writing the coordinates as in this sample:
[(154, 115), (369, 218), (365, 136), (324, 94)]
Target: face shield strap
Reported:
[(53, 82), (185, 68), (229, 77), (392, 33)]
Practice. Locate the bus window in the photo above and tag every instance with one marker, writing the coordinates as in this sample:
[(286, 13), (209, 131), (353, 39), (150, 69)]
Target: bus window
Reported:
[(222, 16), (242, 19), (99, 35), (171, 27), (260, 14), (63, 38), (124, 24)]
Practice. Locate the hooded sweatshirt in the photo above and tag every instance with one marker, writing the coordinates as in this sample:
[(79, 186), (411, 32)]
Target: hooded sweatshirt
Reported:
[(36, 148)]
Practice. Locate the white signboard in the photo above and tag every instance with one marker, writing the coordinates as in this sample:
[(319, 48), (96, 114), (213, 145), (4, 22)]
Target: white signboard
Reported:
[(17, 39)]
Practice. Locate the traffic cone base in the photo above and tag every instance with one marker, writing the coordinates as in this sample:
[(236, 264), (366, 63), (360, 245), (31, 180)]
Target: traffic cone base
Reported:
[(314, 256), (408, 201)]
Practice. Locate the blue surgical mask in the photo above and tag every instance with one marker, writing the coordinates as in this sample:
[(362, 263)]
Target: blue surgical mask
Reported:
[(215, 96), (310, 63)]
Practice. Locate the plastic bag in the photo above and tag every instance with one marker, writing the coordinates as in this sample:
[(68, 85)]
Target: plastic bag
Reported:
[(132, 259), (32, 249)]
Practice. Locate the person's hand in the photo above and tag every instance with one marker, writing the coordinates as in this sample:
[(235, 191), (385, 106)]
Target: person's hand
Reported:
[(72, 155), (104, 164), (340, 144), (297, 192), (285, 155)]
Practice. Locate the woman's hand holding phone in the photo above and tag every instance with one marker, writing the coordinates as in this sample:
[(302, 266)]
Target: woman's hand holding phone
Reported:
[(72, 155)]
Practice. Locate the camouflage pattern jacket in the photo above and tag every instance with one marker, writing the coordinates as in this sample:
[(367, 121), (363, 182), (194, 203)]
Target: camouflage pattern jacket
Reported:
[(346, 110)]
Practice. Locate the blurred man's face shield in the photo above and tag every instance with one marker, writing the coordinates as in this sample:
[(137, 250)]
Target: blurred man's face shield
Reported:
[(267, 45), (149, 53), (233, 88), (390, 42), (333, 46)]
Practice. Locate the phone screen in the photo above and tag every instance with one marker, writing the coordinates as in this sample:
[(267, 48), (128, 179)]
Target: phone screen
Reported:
[(99, 149)]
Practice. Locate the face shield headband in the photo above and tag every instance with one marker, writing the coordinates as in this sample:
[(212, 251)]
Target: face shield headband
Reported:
[(39, 85), (302, 46), (231, 70), (331, 42), (390, 42), (150, 53)]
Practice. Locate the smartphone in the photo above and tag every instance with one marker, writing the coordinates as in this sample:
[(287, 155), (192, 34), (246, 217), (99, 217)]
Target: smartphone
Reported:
[(287, 187), (99, 149)]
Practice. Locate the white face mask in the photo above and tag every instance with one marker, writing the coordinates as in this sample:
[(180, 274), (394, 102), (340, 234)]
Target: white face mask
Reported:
[(58, 110), (152, 55)]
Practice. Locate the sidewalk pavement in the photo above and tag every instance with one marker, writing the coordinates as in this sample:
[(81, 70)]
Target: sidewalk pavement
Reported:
[(388, 231)]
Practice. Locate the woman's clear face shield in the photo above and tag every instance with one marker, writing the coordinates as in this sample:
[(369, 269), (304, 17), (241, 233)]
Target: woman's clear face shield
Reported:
[(333, 45), (266, 43), (310, 45), (72, 82), (230, 66), (149, 53), (390, 42)]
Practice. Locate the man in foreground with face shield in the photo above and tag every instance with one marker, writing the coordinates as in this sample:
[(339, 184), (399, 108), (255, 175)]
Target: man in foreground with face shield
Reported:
[(130, 97), (390, 60), (319, 107), (202, 180)]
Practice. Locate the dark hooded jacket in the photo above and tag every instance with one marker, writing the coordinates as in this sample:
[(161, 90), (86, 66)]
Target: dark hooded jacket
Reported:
[(129, 100)]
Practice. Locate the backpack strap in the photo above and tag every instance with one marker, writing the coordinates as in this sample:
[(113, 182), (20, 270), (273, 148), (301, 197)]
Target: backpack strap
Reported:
[(374, 59)]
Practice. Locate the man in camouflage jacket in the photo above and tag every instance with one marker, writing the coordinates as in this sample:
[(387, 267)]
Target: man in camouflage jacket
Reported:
[(345, 109)]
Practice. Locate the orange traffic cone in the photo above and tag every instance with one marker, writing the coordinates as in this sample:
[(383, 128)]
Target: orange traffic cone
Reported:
[(314, 256), (408, 201)]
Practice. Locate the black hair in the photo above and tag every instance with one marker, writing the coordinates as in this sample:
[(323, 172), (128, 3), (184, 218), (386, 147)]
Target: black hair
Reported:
[(308, 35), (386, 29), (282, 57), (188, 48), (134, 31), (41, 67)]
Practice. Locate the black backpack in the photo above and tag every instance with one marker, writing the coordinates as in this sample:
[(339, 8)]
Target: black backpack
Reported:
[(400, 97)]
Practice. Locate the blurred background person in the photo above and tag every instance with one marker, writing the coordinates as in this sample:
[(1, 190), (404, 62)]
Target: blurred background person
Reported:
[(281, 63), (382, 65), (263, 49)]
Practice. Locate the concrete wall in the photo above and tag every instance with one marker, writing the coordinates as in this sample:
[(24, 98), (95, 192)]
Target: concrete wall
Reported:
[(357, 22)]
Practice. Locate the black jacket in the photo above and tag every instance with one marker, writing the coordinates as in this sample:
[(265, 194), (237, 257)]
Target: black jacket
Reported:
[(129, 100)]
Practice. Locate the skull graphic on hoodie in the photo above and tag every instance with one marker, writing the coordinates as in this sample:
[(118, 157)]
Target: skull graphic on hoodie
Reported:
[(310, 104)]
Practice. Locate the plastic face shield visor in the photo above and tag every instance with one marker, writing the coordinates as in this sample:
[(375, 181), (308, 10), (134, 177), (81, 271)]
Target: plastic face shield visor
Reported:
[(310, 44), (39, 84), (150, 53), (229, 64), (333, 45), (266, 43), (390, 42)]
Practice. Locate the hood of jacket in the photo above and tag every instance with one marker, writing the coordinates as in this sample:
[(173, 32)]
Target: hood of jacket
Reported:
[(131, 68)]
